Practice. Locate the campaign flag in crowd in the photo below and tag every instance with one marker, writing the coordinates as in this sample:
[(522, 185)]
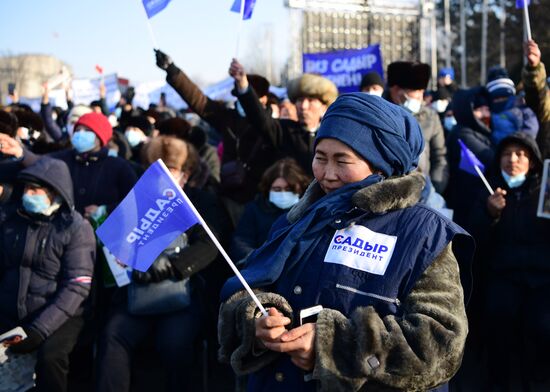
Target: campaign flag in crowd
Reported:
[(99, 69), (149, 218), (468, 161), (521, 3), (248, 8), (153, 7), (345, 67)]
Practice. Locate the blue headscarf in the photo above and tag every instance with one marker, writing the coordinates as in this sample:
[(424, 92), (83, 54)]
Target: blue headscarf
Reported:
[(295, 241), (384, 134)]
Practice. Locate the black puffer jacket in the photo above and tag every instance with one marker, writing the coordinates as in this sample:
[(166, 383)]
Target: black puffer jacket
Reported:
[(46, 263), (518, 242), (464, 187)]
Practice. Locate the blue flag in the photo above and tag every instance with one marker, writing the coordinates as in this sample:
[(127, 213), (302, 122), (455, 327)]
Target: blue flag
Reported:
[(520, 3), (468, 160), (149, 218), (248, 8), (153, 7)]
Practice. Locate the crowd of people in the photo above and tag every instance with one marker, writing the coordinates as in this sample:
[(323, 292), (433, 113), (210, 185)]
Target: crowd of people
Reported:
[(356, 202)]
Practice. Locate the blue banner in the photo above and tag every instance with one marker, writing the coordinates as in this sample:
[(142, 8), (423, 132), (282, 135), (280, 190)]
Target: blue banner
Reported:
[(248, 8), (153, 7), (345, 67), (149, 218)]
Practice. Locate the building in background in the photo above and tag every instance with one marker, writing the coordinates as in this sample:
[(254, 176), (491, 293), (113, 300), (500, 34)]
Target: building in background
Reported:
[(405, 29), (28, 72)]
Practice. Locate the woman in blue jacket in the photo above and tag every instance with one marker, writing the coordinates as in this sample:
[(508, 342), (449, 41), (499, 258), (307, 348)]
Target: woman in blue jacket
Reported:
[(357, 243)]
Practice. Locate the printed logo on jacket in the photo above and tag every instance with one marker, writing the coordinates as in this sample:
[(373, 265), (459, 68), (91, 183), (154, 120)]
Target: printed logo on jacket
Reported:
[(360, 248)]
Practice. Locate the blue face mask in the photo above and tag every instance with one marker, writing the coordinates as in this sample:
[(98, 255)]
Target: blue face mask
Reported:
[(112, 153), (283, 200), (35, 204), (83, 141), (514, 181), (449, 122), (133, 137)]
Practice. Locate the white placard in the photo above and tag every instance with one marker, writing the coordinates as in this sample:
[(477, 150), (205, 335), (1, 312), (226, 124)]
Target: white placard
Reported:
[(120, 273), (360, 248)]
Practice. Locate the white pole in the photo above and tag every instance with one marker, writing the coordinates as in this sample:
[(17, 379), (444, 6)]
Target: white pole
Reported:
[(239, 29), (527, 22), (151, 33), (217, 243), (484, 180)]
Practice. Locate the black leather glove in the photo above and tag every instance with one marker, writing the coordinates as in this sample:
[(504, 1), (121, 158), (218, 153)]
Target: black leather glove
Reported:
[(30, 344), (163, 270), (160, 270), (163, 60)]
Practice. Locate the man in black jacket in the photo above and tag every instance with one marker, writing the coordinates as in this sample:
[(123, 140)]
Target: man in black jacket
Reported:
[(312, 95), (47, 253)]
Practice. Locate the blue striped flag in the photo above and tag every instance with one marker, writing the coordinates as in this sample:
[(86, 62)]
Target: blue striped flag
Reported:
[(248, 8)]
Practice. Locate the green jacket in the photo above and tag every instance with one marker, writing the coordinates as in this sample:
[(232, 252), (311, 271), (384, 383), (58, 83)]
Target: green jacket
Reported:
[(538, 99)]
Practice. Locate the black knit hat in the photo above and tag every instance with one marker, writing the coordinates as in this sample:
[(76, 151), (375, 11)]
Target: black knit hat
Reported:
[(409, 75), (372, 78)]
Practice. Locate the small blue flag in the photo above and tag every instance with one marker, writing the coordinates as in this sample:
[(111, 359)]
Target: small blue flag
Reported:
[(248, 8), (153, 7), (149, 218), (520, 3), (468, 160)]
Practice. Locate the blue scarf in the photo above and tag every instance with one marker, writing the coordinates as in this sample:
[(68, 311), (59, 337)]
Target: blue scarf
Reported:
[(298, 239)]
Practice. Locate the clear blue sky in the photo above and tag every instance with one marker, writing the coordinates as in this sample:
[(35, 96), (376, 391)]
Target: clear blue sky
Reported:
[(200, 35)]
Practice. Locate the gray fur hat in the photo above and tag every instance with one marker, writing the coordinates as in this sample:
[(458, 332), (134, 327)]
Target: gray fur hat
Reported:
[(313, 86)]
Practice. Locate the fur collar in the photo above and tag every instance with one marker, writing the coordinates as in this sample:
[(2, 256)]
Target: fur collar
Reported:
[(395, 193)]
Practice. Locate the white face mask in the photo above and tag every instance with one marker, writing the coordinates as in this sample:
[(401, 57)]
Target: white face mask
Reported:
[(413, 105), (440, 105), (378, 93), (283, 200), (513, 181)]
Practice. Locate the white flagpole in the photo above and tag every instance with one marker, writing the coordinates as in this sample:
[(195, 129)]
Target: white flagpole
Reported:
[(150, 28), (218, 245), (239, 29), (480, 173), (527, 22)]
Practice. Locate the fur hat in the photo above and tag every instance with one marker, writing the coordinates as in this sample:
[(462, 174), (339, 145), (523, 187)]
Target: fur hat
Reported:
[(140, 122), (171, 150), (259, 84), (8, 123), (176, 126), (372, 78), (99, 124), (313, 86), (409, 75), (29, 120)]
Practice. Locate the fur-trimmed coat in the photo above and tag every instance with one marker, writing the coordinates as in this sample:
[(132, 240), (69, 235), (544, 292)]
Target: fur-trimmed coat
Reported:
[(415, 350)]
